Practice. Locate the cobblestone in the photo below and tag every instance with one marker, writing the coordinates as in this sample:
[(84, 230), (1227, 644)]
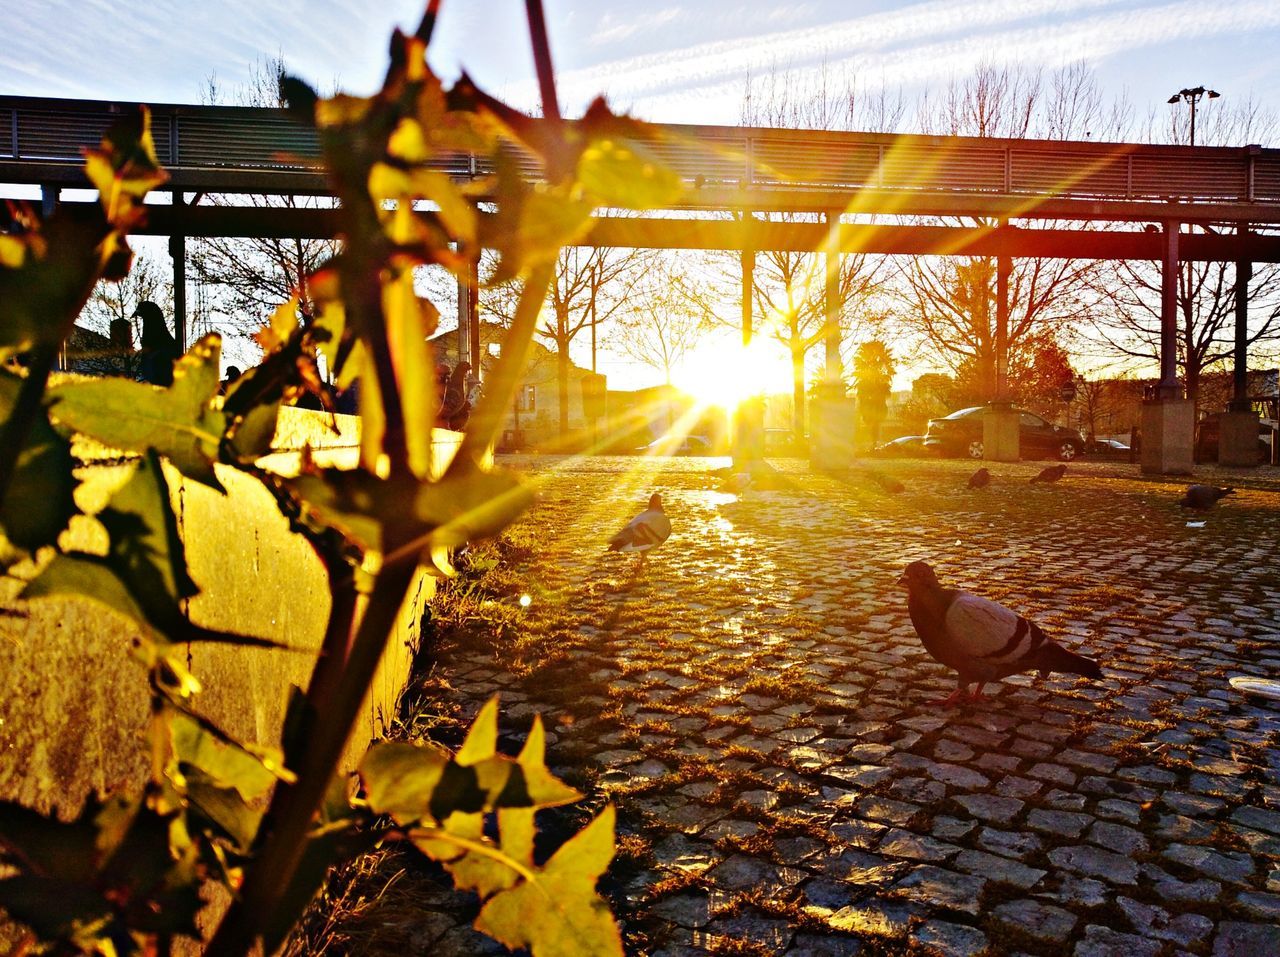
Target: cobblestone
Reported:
[(755, 703)]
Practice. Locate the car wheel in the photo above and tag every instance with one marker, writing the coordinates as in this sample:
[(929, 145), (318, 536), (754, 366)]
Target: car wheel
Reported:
[(1068, 451), (975, 449)]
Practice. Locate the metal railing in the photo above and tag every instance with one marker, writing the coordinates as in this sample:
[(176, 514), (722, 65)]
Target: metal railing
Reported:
[(40, 133)]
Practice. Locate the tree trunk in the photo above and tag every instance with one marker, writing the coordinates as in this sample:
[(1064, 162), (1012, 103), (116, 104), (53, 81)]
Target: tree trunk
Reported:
[(562, 384), (797, 392)]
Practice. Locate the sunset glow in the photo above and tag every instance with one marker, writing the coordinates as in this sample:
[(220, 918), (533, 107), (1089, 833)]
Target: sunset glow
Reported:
[(725, 375)]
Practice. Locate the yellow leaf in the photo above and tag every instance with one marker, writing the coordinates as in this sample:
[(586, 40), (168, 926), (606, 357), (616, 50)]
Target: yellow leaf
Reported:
[(482, 739), (13, 251), (408, 142), (341, 110), (559, 913)]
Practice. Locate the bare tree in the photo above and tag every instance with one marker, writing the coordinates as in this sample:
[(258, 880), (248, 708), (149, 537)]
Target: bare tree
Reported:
[(661, 324), (590, 287), (948, 302), (249, 278), (789, 288), (1206, 291), (146, 281)]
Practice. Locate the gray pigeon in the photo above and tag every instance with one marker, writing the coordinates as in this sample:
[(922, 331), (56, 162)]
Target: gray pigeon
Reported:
[(980, 479), (646, 531), (981, 640), (1051, 474), (1204, 497)]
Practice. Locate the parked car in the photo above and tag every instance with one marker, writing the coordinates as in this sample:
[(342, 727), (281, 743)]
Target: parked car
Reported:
[(689, 445), (902, 445), (1107, 448), (960, 433)]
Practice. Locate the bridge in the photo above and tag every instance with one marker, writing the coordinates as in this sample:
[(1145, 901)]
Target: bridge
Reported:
[(749, 190)]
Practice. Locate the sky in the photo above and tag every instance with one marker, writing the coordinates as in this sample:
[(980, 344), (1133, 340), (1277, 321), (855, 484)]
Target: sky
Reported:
[(668, 61)]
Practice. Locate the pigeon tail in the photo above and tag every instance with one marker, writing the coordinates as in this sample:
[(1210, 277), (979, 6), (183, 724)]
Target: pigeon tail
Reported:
[(1054, 657)]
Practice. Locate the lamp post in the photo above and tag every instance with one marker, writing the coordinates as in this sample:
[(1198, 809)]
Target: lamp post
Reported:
[(1193, 96)]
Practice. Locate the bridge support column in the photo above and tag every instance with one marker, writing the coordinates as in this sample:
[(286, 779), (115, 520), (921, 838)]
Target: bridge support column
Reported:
[(1238, 427), (1001, 437), (832, 419), (1168, 420), (178, 252), (748, 417)]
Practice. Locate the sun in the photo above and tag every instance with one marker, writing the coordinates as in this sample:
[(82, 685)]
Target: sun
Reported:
[(725, 375)]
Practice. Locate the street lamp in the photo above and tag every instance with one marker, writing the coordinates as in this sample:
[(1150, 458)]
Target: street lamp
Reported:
[(1193, 96)]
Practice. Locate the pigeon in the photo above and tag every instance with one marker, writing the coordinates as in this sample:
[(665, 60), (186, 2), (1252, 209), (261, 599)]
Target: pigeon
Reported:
[(982, 640), (1204, 497), (980, 479), (647, 530), (890, 485), (1051, 474)]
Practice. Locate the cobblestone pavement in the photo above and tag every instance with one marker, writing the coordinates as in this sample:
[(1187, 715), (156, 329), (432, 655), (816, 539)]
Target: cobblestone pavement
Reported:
[(755, 702)]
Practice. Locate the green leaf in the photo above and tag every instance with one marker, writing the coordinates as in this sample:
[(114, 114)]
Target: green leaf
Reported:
[(179, 422), (469, 503), (253, 435), (223, 810), (146, 552), (84, 576), (39, 502), (224, 764), (558, 913), (618, 172), (348, 501), (401, 778)]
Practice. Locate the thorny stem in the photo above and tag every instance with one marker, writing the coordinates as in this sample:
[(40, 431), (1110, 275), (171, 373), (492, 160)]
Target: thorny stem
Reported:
[(542, 59), (428, 24), (294, 807)]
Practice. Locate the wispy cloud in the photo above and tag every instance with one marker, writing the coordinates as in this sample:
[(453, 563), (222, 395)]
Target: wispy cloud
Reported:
[(911, 46), (617, 29)]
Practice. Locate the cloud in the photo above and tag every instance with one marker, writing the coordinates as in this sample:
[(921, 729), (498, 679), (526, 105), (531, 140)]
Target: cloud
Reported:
[(909, 46)]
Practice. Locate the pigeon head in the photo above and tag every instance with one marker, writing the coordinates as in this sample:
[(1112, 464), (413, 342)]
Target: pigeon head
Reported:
[(655, 502), (918, 575)]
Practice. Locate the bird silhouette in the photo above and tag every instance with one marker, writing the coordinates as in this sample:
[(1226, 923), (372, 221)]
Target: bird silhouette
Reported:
[(980, 639), (1051, 474), (980, 479), (159, 348), (1204, 497), (645, 532)]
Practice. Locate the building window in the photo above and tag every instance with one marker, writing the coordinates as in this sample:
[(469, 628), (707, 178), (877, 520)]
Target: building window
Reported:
[(526, 398)]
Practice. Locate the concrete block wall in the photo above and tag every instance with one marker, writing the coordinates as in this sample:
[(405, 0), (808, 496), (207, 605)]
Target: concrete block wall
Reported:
[(73, 718)]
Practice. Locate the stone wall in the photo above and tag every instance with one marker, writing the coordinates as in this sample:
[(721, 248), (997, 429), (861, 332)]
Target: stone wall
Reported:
[(73, 716)]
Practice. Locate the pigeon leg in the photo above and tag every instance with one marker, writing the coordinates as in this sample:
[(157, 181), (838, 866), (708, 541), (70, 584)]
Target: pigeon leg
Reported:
[(977, 692), (961, 694)]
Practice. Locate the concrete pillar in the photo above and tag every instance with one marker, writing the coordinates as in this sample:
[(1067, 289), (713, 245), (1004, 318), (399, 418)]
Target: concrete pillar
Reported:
[(49, 196), (1169, 420), (832, 415), (748, 417), (1001, 436), (178, 251), (1168, 432), (1169, 387), (1238, 426)]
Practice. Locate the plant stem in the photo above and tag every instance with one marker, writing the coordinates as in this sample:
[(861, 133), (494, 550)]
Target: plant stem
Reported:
[(13, 438), (294, 807)]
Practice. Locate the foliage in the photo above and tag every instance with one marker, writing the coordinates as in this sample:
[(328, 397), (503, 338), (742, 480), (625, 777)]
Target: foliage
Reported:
[(126, 875), (872, 381)]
